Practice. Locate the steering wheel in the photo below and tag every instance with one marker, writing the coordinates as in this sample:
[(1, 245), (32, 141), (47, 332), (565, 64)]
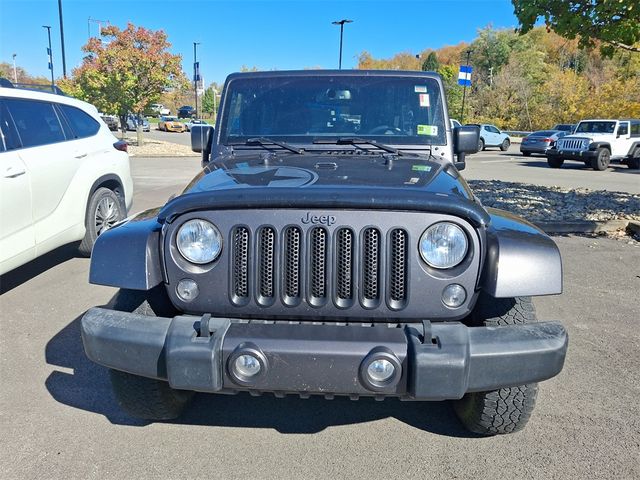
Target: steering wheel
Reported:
[(384, 130)]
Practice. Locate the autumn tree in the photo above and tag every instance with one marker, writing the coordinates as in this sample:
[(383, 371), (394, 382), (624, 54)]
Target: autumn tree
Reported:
[(431, 63), (616, 23), (126, 70)]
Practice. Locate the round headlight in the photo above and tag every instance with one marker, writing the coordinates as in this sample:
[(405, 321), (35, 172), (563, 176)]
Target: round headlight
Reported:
[(199, 241), (443, 245)]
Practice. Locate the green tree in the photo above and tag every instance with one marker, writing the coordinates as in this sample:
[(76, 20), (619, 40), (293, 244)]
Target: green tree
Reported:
[(126, 70), (614, 22), (211, 99), (431, 63)]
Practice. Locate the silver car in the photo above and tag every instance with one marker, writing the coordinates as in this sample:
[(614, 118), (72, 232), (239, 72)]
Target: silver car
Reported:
[(540, 142)]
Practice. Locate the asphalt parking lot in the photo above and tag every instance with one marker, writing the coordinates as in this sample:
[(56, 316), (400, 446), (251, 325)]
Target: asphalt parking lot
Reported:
[(59, 419)]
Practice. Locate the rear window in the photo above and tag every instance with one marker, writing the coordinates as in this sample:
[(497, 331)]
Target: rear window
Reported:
[(37, 122), (83, 125), (543, 133)]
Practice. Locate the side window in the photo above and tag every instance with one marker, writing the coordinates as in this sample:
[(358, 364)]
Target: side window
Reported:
[(10, 139), (495, 130), (623, 129), (488, 129), (83, 125), (37, 122), (635, 129)]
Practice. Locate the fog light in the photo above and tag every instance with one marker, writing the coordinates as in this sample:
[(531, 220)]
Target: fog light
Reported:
[(380, 370), (187, 290), (454, 295), (246, 366)]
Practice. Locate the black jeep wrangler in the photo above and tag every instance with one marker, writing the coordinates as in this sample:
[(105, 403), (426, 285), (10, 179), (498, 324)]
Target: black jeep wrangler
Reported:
[(329, 247)]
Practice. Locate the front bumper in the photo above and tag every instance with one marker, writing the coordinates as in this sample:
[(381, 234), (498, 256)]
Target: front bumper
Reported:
[(533, 149), (580, 155), (436, 361)]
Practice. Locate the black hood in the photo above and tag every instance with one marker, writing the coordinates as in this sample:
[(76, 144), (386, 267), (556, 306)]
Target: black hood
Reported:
[(338, 181)]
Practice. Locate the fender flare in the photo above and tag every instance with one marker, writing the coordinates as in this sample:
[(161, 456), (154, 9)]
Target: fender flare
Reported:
[(596, 145), (632, 149), (521, 259)]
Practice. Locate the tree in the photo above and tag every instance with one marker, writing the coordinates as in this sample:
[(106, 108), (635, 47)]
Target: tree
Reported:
[(126, 70), (431, 63), (210, 100), (614, 22)]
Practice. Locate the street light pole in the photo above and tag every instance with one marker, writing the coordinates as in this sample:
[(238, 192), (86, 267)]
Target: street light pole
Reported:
[(15, 73), (341, 23), (64, 61), (48, 27), (196, 70)]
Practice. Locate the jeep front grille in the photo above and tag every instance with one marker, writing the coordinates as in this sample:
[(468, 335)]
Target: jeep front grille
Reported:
[(570, 144), (342, 266)]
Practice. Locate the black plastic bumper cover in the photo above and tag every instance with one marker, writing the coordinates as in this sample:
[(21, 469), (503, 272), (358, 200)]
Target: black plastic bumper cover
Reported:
[(327, 359), (572, 155)]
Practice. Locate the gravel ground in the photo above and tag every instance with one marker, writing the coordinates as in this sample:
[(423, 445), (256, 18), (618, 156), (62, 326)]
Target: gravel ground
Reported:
[(540, 203), (154, 148)]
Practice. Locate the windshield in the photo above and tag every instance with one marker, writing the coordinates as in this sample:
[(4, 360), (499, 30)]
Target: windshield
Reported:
[(391, 110), (596, 127)]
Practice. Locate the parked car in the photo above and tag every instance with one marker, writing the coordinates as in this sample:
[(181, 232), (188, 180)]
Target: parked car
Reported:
[(171, 124), (540, 142), (194, 121), (112, 121), (491, 136), (262, 275), (159, 110), (565, 127), (65, 177), (134, 120), (597, 142), (186, 111)]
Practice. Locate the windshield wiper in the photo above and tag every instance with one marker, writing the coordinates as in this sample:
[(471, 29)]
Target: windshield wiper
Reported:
[(356, 142), (265, 142)]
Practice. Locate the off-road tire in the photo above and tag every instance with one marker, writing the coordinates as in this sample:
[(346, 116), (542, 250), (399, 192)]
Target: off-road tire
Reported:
[(506, 410), (526, 154), (96, 204), (142, 397), (504, 146), (555, 162), (634, 161), (601, 161)]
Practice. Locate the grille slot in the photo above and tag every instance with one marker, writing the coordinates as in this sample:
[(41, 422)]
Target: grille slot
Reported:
[(318, 264), (266, 265), (291, 255), (570, 144), (344, 266), (240, 268), (398, 268), (371, 266)]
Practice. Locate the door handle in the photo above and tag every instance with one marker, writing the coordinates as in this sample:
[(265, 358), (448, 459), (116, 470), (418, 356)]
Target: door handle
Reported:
[(14, 172), (81, 155)]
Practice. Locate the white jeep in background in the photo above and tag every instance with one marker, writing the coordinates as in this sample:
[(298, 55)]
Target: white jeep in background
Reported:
[(597, 142), (64, 177)]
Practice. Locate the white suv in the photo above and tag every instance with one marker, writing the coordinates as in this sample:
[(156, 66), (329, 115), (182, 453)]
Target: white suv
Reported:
[(597, 142), (63, 176)]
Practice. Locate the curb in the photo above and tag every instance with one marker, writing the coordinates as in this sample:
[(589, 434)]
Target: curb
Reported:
[(586, 226)]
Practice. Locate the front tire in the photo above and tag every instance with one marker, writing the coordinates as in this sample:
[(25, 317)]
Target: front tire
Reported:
[(504, 146), (634, 162), (481, 145), (602, 159), (526, 154), (506, 410), (142, 397), (555, 162), (103, 211)]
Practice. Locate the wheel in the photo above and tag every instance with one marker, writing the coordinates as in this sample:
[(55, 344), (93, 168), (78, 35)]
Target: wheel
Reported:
[(555, 162), (602, 159), (142, 397), (481, 145), (505, 410), (504, 146), (526, 154), (634, 161), (103, 211)]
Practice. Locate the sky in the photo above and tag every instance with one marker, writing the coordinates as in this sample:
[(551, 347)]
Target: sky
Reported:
[(267, 34)]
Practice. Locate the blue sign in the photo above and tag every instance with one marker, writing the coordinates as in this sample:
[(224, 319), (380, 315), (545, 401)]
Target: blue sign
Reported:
[(464, 76)]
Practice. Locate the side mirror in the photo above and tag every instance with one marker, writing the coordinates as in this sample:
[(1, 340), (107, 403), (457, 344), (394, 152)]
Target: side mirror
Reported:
[(465, 140), (201, 137)]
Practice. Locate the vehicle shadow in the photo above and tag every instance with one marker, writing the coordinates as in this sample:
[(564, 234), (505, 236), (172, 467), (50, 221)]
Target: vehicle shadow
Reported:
[(541, 162), (80, 383), (26, 272)]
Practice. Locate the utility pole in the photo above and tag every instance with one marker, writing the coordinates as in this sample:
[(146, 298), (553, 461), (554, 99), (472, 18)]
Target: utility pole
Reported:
[(48, 27), (341, 23), (464, 92), (15, 73), (196, 73), (64, 61), (491, 76)]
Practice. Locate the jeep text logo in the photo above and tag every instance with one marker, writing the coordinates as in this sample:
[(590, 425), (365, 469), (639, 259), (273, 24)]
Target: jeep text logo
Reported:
[(327, 220)]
